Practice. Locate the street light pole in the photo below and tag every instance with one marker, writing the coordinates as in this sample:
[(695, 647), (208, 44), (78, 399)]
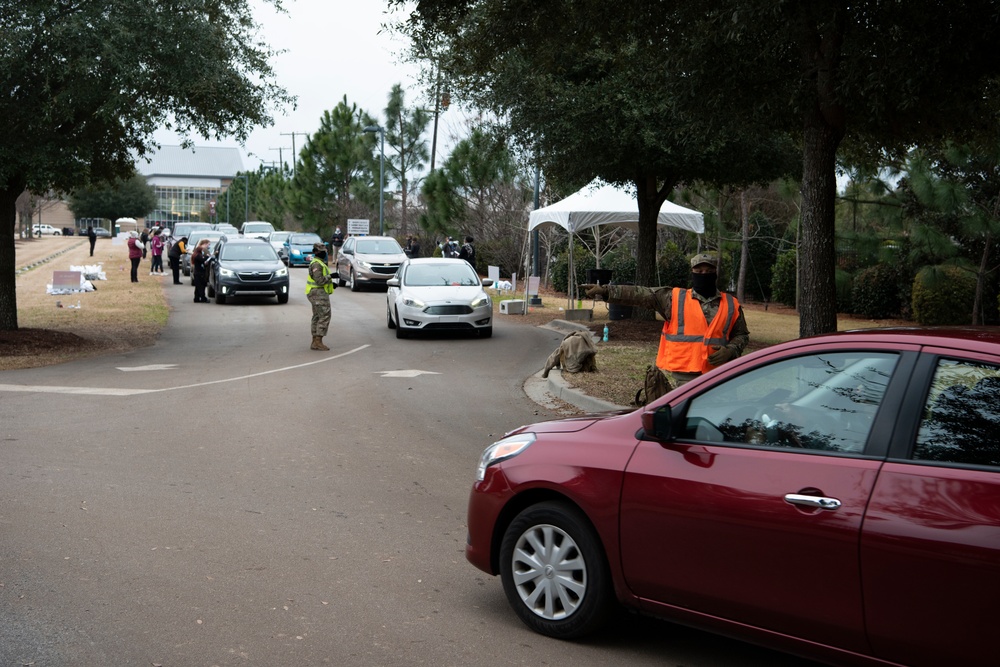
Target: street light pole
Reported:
[(381, 175)]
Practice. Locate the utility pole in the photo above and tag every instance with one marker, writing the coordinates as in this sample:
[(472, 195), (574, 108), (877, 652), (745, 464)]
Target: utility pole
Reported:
[(281, 159), (295, 155)]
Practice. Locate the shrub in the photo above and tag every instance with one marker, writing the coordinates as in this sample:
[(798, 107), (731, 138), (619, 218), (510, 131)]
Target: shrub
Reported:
[(943, 295), (783, 279), (582, 260), (876, 293), (845, 284)]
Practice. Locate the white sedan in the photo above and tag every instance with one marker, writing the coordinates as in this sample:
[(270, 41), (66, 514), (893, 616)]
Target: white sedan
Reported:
[(438, 294)]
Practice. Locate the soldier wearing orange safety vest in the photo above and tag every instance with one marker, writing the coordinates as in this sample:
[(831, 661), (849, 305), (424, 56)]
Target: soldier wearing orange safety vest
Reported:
[(702, 329)]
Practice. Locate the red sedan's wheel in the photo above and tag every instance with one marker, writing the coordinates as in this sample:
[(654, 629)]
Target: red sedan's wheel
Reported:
[(554, 571)]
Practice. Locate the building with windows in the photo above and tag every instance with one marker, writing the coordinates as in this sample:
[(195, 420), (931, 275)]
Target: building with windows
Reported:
[(188, 182)]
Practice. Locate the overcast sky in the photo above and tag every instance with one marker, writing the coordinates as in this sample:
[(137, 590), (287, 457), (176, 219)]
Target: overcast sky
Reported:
[(332, 48)]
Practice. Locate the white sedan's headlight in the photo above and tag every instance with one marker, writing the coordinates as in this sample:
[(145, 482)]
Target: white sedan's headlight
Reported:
[(414, 303), (481, 300), (501, 450), (228, 273)]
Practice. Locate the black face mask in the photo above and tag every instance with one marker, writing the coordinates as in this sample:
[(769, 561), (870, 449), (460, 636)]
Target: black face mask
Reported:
[(704, 284), (320, 255)]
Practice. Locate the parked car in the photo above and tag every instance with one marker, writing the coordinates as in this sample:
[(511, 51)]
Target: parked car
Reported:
[(438, 294), (247, 267), (182, 229), (45, 230), (368, 260), (68, 231), (100, 232), (299, 248), (256, 229), (836, 497), (226, 228), (277, 241), (193, 240)]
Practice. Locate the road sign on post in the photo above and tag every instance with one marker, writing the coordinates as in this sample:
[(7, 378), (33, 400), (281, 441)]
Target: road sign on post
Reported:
[(357, 226)]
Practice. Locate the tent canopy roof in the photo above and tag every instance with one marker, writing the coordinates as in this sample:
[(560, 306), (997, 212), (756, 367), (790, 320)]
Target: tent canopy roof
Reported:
[(599, 204)]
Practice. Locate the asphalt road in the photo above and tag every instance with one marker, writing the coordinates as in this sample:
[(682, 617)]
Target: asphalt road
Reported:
[(230, 497)]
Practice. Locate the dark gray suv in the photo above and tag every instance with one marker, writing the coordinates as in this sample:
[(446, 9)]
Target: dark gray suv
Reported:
[(246, 267)]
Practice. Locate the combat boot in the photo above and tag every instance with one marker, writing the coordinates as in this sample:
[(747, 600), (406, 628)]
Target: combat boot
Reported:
[(317, 344)]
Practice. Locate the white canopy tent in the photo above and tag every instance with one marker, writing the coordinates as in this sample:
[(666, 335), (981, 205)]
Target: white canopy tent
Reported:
[(600, 204)]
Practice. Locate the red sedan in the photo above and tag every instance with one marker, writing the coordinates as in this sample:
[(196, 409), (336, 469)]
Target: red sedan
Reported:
[(836, 497)]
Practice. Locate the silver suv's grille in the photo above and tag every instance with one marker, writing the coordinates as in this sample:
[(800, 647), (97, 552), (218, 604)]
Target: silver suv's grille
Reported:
[(385, 270)]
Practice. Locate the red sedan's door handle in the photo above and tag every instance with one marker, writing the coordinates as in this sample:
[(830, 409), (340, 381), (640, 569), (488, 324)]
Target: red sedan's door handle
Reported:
[(812, 501)]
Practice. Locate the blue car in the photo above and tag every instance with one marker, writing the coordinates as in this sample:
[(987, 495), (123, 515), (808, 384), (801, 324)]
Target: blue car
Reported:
[(299, 248)]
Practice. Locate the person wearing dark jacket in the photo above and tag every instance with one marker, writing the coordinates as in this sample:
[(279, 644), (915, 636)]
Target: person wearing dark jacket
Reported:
[(177, 249), (199, 270), (468, 252), (92, 237)]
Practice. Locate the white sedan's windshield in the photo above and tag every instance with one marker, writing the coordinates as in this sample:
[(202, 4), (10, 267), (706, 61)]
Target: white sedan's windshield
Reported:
[(429, 275)]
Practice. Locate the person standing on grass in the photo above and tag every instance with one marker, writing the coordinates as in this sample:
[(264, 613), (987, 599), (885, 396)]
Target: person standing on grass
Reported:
[(703, 328), (92, 237), (199, 270), (134, 254)]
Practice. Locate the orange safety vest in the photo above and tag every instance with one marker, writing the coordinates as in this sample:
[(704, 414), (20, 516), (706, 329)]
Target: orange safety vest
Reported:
[(687, 337)]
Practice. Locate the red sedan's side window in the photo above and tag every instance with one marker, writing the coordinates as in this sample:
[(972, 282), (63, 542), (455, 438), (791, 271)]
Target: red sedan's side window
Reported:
[(821, 402), (961, 422)]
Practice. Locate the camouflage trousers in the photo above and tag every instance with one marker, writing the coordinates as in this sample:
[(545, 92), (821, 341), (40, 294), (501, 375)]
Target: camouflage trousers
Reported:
[(320, 301)]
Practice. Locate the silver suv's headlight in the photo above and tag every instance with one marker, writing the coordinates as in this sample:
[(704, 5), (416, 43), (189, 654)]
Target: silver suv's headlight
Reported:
[(501, 450)]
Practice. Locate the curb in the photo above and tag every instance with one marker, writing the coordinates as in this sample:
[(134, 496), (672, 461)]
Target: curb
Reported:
[(558, 388)]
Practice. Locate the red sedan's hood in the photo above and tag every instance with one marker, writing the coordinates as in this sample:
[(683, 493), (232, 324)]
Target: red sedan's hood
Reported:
[(570, 425)]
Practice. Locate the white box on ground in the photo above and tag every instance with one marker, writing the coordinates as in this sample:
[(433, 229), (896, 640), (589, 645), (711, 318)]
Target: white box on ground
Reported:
[(512, 307)]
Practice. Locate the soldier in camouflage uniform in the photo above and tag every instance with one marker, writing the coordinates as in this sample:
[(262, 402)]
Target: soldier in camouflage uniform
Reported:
[(319, 286), (703, 328)]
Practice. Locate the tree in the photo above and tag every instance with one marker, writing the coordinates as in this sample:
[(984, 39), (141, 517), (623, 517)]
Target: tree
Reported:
[(404, 130), (960, 187), (87, 83), (477, 192), (336, 170), (863, 79), (133, 198), (592, 102)]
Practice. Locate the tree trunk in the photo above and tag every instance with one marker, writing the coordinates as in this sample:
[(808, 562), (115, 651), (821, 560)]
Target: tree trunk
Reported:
[(818, 304), (8, 290), (650, 200), (977, 302), (822, 27), (741, 282)]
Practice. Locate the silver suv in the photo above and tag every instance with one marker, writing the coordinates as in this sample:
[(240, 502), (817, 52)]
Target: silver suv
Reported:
[(368, 260)]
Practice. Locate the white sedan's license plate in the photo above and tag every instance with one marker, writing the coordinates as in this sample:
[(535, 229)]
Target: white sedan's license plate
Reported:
[(449, 318)]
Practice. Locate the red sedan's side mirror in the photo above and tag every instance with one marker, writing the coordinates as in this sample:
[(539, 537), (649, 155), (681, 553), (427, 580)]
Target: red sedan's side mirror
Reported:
[(657, 423)]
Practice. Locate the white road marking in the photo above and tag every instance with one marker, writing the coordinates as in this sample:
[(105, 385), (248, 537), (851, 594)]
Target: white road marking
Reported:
[(405, 374), (151, 367), (110, 391)]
